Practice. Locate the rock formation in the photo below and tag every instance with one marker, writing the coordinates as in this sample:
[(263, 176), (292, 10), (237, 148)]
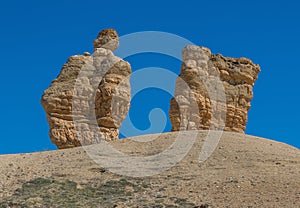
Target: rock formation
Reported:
[(192, 105), (90, 97), (108, 39)]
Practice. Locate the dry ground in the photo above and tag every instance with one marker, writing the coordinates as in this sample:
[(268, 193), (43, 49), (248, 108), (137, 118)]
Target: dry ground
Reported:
[(243, 171)]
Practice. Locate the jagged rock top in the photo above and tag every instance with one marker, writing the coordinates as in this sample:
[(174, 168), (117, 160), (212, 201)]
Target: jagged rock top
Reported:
[(192, 106), (108, 39)]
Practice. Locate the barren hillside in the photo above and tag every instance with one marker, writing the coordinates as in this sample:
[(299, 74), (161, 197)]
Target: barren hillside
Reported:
[(243, 171)]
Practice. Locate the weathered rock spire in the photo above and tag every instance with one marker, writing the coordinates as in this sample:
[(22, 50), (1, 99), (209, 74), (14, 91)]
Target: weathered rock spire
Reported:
[(90, 97), (191, 107)]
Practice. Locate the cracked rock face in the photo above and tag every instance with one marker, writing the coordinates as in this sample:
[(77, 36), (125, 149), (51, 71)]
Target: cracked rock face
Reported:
[(197, 104), (90, 97)]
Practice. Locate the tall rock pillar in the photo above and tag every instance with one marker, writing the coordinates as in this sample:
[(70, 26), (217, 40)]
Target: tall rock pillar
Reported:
[(191, 109), (92, 90)]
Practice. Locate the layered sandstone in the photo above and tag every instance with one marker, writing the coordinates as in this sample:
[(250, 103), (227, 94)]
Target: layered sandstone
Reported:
[(90, 97), (198, 102)]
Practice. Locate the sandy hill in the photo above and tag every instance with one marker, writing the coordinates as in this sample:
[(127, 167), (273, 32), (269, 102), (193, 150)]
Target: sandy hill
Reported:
[(243, 171)]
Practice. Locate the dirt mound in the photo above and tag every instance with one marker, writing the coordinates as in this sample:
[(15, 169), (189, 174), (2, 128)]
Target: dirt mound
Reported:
[(243, 171)]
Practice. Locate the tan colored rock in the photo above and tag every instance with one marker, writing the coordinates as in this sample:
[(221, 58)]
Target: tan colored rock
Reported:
[(197, 103), (89, 99), (108, 39), (86, 54), (113, 99)]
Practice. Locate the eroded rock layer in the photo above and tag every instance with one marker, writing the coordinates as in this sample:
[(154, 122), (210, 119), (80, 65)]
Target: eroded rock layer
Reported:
[(198, 102), (90, 97)]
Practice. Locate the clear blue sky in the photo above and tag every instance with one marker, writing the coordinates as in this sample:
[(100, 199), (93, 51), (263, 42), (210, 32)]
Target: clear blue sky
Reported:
[(37, 37)]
